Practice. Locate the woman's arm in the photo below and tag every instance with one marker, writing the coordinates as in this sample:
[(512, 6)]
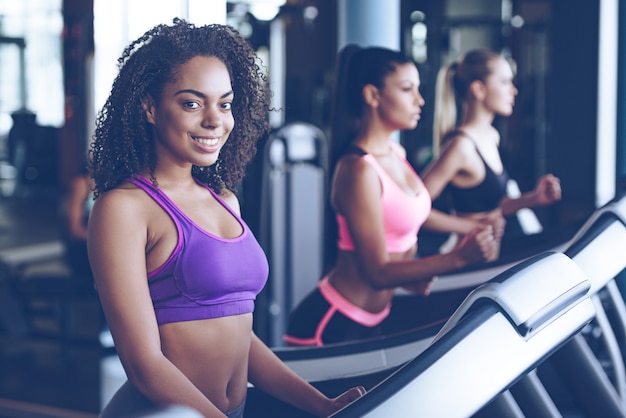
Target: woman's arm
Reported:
[(455, 157), (117, 242), (443, 222), (546, 192), (268, 373), (356, 194)]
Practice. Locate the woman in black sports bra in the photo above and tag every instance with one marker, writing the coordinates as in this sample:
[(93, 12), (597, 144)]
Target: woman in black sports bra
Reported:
[(468, 163)]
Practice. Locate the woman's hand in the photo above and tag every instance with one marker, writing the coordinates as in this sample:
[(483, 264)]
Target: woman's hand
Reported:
[(344, 399), (496, 219), (547, 190), (478, 246)]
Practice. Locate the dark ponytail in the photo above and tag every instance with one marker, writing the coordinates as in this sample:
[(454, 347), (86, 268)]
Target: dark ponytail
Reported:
[(356, 68)]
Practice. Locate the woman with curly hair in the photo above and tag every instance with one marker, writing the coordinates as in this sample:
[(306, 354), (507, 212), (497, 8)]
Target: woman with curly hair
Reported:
[(176, 267)]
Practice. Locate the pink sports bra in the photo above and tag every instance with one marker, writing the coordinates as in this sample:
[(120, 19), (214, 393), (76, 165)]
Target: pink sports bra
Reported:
[(403, 214)]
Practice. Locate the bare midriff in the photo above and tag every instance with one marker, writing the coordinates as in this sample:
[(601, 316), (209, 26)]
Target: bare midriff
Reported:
[(347, 280), (213, 354)]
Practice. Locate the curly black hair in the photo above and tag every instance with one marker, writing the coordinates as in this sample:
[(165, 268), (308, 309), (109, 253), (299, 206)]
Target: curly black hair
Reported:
[(123, 143)]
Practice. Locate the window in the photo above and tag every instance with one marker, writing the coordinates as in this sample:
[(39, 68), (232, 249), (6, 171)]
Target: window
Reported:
[(31, 74), (118, 22)]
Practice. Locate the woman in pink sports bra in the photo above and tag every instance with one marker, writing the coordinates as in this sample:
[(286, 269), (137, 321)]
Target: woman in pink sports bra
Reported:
[(165, 235), (378, 203)]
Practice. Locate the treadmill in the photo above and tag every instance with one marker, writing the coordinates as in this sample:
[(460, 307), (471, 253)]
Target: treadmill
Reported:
[(385, 354), (506, 327)]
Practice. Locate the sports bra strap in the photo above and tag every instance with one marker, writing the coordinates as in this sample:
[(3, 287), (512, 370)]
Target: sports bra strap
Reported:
[(354, 150)]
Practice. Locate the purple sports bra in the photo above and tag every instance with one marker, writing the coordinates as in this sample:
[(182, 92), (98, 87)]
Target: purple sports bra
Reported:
[(206, 276)]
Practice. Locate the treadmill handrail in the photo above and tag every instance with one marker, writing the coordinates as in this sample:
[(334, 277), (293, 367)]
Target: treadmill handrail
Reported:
[(515, 292), (478, 274), (599, 250), (429, 386)]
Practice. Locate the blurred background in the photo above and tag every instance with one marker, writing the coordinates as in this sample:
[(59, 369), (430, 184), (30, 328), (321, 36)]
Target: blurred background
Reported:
[(57, 62)]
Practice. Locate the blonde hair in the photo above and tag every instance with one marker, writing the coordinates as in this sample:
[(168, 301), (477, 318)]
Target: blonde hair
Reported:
[(445, 115), (453, 81)]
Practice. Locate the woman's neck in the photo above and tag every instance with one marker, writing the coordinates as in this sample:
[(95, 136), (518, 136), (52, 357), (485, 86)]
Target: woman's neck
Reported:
[(175, 176), (374, 141), (477, 116)]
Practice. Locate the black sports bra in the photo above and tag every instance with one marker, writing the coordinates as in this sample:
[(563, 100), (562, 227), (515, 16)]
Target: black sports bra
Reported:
[(483, 197)]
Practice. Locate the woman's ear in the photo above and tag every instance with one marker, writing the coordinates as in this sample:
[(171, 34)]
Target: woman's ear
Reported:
[(370, 95), (478, 90), (148, 108)]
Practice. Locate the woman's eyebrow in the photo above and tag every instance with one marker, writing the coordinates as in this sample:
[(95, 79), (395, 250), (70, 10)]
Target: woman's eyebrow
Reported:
[(200, 94)]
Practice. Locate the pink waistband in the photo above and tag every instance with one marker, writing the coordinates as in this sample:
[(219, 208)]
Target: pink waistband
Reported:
[(346, 307)]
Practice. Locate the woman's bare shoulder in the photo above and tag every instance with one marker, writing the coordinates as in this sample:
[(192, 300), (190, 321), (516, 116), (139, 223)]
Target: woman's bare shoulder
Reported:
[(458, 148), (125, 200), (458, 140), (354, 169)]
